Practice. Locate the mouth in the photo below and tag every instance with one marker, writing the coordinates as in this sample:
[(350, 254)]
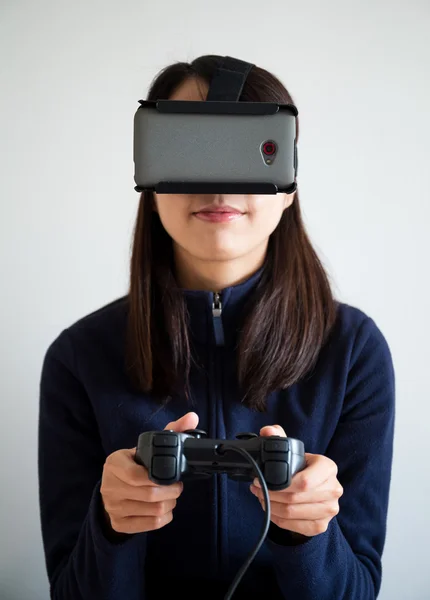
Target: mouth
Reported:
[(219, 209), (218, 216), (215, 213)]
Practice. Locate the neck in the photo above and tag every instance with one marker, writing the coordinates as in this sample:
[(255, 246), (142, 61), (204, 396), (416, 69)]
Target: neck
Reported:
[(213, 276)]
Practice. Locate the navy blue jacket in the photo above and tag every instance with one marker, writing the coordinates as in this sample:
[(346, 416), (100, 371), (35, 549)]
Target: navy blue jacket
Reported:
[(345, 410)]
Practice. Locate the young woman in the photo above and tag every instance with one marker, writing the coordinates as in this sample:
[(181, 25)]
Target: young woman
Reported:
[(294, 361)]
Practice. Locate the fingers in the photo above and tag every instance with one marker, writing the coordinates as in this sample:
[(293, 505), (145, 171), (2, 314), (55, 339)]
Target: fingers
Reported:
[(304, 527), (140, 524), (318, 470), (145, 493), (319, 495), (297, 512), (123, 465), (272, 430), (188, 421), (133, 508)]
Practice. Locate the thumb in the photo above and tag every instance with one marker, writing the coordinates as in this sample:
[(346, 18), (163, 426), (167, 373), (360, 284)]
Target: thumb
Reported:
[(272, 430), (188, 421)]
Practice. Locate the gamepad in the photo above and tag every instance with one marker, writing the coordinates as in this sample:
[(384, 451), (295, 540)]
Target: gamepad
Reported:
[(170, 456)]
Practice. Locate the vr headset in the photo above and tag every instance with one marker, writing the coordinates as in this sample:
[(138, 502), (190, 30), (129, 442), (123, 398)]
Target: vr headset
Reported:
[(219, 145)]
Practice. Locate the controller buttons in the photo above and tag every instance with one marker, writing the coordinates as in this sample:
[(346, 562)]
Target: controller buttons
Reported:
[(276, 445), (246, 436), (165, 440), (276, 472), (164, 467)]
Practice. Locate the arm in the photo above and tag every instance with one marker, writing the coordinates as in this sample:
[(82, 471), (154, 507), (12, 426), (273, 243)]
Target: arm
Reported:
[(83, 560), (345, 561)]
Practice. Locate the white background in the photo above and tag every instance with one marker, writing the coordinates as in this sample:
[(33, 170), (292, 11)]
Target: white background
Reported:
[(71, 76)]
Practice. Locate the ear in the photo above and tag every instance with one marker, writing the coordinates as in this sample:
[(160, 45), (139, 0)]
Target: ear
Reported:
[(289, 199)]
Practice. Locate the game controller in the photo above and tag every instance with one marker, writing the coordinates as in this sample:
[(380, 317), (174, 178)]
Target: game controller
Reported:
[(170, 456)]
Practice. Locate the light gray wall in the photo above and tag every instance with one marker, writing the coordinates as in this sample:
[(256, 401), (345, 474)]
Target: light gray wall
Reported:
[(71, 76)]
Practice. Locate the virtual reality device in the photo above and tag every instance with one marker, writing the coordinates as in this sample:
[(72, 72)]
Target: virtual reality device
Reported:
[(219, 145)]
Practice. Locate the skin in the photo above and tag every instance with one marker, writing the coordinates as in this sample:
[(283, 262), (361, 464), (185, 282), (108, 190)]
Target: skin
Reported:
[(212, 256)]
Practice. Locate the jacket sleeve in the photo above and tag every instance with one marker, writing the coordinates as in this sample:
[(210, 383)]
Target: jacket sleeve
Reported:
[(345, 561), (82, 562)]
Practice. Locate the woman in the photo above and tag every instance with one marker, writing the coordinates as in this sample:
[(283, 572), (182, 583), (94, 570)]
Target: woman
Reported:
[(294, 362)]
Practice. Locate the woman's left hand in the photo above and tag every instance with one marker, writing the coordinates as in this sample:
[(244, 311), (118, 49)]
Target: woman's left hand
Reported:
[(311, 501)]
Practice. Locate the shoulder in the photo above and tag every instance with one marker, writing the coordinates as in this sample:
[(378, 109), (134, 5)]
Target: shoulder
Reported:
[(360, 332), (350, 319), (358, 344), (102, 318), (100, 330)]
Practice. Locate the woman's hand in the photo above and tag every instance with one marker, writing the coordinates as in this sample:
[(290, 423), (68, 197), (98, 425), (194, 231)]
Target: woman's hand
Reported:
[(132, 502), (311, 501)]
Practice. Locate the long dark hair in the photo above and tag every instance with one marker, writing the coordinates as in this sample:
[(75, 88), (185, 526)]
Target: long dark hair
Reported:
[(292, 309)]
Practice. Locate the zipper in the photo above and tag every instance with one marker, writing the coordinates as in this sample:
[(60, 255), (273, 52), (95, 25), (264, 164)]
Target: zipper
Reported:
[(216, 317), (219, 484)]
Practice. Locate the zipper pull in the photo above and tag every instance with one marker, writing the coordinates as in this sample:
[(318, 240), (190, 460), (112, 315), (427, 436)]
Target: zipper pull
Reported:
[(216, 317), (216, 305)]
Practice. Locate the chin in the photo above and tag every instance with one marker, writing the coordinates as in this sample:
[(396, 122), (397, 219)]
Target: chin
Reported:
[(217, 254), (221, 257), (221, 246)]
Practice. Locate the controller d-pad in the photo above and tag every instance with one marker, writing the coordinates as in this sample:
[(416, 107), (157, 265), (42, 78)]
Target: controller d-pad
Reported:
[(276, 472), (276, 445), (164, 467)]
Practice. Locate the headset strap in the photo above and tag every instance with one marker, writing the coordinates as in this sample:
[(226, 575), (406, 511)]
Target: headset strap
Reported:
[(228, 80)]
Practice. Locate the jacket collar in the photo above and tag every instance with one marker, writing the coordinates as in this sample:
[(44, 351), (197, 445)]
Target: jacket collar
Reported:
[(218, 324)]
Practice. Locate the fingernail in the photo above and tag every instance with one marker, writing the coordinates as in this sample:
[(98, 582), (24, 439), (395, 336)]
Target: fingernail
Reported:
[(256, 483)]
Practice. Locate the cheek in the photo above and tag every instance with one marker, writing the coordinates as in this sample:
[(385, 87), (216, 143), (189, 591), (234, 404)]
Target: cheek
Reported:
[(173, 219), (266, 218)]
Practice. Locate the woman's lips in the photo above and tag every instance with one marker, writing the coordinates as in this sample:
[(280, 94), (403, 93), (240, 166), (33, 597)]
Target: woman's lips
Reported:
[(218, 217)]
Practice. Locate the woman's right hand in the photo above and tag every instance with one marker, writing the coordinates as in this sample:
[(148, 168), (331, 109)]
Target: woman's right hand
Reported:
[(132, 502)]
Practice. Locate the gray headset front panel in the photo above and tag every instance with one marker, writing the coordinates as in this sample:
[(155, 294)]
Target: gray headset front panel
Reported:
[(223, 148)]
